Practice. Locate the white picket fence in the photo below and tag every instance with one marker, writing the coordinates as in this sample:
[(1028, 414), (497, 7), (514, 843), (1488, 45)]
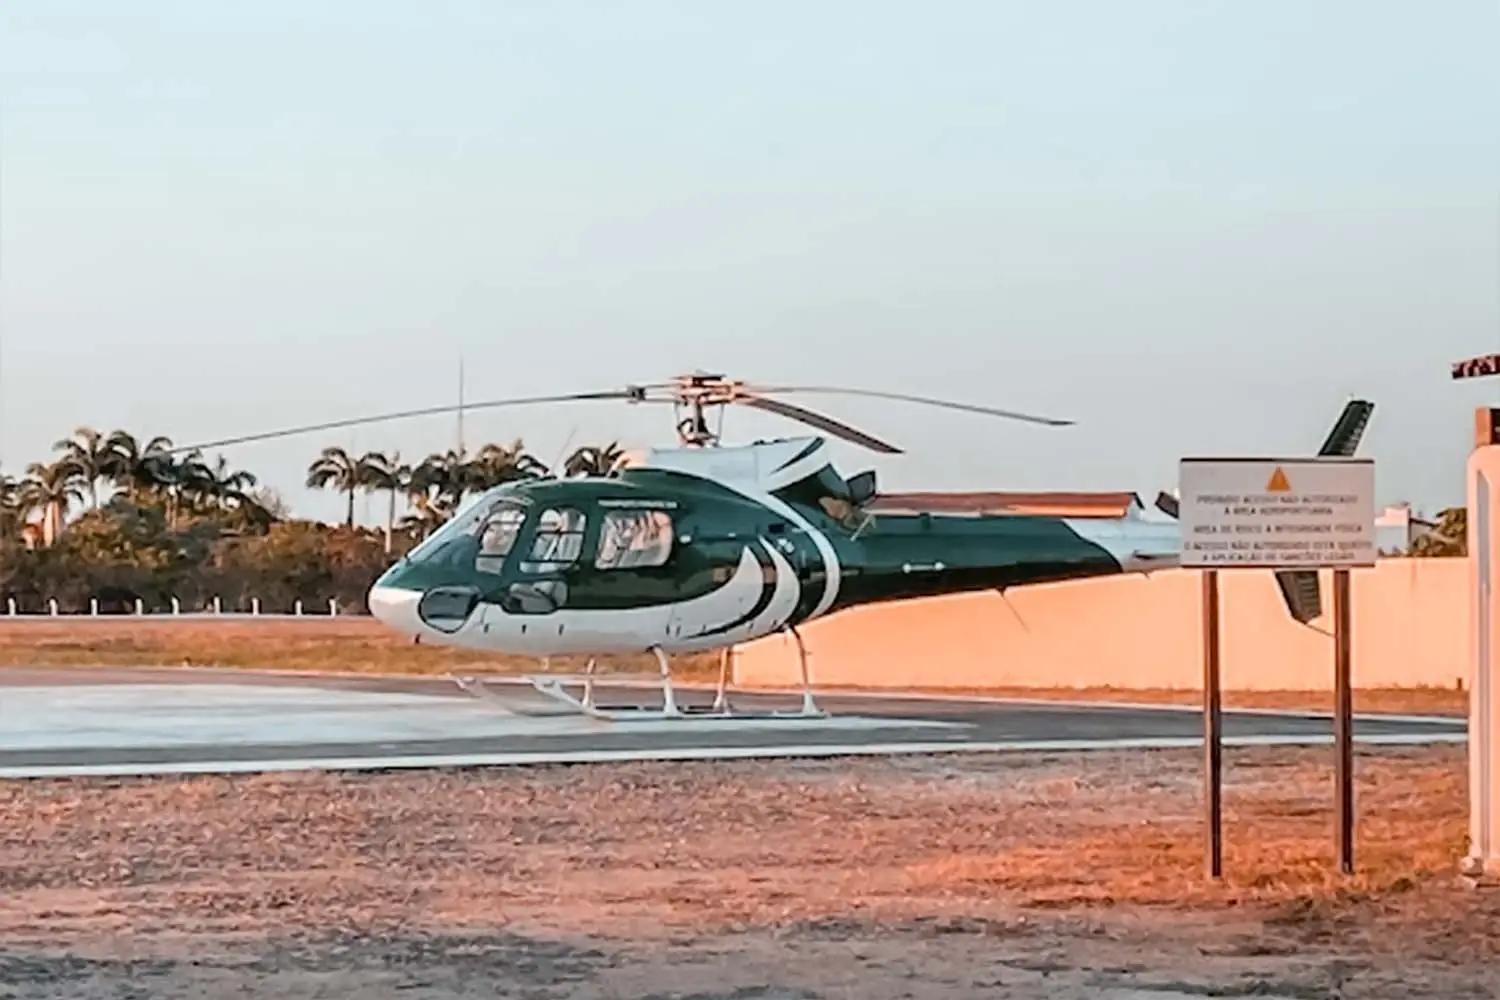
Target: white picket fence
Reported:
[(213, 610)]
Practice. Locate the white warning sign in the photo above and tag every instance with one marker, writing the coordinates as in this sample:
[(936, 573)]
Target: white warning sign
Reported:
[(1296, 513)]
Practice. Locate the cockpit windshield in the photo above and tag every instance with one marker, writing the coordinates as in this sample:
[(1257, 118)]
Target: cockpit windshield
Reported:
[(479, 536)]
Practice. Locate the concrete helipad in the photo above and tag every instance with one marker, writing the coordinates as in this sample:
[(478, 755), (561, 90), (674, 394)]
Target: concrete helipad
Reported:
[(72, 721)]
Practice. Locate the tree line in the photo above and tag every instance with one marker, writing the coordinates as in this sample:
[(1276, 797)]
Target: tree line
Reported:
[(117, 519), (436, 486)]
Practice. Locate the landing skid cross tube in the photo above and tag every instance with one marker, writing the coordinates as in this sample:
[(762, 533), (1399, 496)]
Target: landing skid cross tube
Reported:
[(559, 692)]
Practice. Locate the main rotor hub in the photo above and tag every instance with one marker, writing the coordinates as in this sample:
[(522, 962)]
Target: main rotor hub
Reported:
[(692, 395)]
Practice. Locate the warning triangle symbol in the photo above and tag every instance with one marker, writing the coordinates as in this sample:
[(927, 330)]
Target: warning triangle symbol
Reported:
[(1279, 483)]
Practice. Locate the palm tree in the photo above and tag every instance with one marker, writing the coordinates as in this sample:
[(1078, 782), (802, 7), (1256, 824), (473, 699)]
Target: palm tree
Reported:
[(10, 505), (438, 484), (183, 482), (378, 472), (591, 460), (228, 488), (496, 464), (439, 480), (426, 496), (427, 514), (92, 454), (139, 468), (51, 489), (335, 469), (192, 482), (233, 492)]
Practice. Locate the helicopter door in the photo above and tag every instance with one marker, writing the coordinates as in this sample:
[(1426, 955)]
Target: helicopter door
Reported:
[(635, 545), (552, 556)]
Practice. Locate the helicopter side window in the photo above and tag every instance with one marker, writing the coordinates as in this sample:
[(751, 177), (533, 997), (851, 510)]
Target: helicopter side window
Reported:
[(557, 541), (497, 537), (634, 539)]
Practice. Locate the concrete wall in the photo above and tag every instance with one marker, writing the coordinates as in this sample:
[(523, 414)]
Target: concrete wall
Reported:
[(1410, 630)]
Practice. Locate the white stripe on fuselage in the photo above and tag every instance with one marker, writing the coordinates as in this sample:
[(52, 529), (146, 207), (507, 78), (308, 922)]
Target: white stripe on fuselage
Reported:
[(785, 595), (831, 568), (1138, 546), (750, 472)]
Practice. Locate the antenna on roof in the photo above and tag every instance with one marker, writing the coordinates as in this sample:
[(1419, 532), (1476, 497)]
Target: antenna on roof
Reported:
[(460, 405)]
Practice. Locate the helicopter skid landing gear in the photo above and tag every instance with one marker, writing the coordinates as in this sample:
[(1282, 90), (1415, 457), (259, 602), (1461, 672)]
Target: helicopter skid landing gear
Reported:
[(668, 696), (721, 693), (556, 688), (576, 693), (809, 707), (587, 701)]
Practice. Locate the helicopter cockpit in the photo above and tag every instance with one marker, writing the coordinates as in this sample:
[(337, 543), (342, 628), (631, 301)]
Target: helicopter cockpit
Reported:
[(476, 536), (484, 535), (526, 554)]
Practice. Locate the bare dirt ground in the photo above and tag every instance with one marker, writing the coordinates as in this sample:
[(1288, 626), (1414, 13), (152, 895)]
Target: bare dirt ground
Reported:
[(345, 642), (350, 643), (925, 877)]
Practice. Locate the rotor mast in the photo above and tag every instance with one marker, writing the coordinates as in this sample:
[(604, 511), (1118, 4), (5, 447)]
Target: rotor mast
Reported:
[(695, 393)]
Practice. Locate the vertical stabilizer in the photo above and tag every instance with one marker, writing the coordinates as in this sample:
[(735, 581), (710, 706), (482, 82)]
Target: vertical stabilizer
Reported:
[(1299, 587)]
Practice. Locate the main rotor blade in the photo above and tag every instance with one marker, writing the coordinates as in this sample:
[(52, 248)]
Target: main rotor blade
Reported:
[(902, 397), (817, 420), (426, 411)]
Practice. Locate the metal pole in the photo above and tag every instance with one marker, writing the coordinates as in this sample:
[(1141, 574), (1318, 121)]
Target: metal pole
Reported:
[(1343, 722), (460, 406), (1213, 746)]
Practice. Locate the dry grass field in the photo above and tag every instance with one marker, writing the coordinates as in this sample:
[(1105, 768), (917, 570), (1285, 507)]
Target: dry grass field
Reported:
[(346, 643), (941, 877)]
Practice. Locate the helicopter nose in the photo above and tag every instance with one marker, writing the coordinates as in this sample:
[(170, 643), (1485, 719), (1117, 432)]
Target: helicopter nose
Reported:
[(396, 608)]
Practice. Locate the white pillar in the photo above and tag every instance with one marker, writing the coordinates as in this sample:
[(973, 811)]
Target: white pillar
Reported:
[(218, 606), (333, 605), (52, 606), (255, 605), (140, 606), (94, 606), (1483, 861)]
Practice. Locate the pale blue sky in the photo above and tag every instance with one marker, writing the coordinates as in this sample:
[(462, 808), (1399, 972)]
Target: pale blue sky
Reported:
[(1193, 226)]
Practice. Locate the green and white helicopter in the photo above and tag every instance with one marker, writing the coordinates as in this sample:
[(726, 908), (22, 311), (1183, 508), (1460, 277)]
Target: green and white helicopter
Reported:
[(706, 546)]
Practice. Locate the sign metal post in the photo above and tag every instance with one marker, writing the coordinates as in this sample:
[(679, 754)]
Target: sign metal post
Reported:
[(1343, 722), (1213, 743)]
